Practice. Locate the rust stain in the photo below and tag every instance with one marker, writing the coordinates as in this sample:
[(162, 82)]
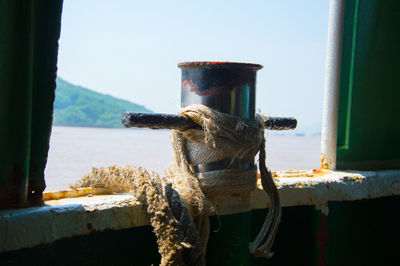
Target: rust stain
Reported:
[(73, 193), (324, 162), (322, 239), (355, 178), (218, 64), (319, 171), (194, 88), (190, 85), (312, 173)]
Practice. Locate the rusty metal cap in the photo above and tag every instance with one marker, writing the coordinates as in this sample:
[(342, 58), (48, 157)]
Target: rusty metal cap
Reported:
[(218, 64)]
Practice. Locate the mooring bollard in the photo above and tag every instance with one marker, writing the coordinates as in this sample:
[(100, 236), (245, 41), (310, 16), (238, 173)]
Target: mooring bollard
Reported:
[(224, 86), (228, 90)]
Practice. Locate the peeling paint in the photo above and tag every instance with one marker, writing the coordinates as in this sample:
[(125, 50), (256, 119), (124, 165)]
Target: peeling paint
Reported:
[(322, 240), (73, 193), (324, 162), (317, 187)]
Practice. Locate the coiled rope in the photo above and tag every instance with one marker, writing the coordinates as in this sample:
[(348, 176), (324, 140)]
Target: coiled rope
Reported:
[(177, 203)]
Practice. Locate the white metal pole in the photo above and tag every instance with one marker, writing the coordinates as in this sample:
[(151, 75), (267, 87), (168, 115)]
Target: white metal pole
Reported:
[(332, 85)]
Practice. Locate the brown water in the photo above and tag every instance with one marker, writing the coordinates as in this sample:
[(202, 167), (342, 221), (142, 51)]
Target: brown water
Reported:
[(74, 150)]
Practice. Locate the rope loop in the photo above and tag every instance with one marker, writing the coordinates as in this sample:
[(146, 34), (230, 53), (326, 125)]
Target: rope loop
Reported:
[(227, 136), (177, 205)]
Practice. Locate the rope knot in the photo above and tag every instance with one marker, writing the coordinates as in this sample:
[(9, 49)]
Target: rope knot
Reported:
[(227, 136), (176, 204)]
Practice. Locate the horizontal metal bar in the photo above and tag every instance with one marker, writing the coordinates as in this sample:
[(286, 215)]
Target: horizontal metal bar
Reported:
[(181, 122), (279, 123), (158, 121)]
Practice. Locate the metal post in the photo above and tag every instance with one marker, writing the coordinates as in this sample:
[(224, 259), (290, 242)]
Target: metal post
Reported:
[(224, 86), (16, 57), (228, 88), (47, 33), (332, 85), (29, 33)]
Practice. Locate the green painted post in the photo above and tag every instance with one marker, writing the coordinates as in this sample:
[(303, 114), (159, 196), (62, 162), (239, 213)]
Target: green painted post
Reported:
[(47, 34), (230, 236), (368, 118), (29, 33), (16, 57)]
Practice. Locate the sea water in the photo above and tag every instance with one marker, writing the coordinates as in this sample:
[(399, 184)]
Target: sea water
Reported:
[(75, 150)]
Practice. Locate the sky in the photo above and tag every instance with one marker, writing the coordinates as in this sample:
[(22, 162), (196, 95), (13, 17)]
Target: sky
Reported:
[(130, 49)]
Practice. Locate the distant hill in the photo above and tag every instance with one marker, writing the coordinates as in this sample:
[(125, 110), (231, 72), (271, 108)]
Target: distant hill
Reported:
[(78, 106)]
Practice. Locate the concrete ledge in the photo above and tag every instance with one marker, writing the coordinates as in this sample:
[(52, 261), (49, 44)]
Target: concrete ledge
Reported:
[(317, 187), (68, 216)]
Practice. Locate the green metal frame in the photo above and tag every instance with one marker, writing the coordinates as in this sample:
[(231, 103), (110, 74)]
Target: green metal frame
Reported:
[(28, 63), (369, 108)]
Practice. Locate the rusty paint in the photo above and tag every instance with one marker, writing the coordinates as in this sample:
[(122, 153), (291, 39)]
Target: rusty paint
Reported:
[(324, 162), (192, 87), (314, 173), (355, 178), (322, 240), (218, 64), (218, 80), (320, 171), (73, 193)]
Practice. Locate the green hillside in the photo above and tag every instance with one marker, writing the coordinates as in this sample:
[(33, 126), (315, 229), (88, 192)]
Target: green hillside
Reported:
[(78, 106)]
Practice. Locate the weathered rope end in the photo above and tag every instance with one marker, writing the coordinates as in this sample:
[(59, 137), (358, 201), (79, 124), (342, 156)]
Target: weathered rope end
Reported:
[(227, 136), (261, 246), (182, 239)]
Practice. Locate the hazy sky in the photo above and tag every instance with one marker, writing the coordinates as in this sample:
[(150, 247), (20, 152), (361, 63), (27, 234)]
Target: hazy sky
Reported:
[(130, 49)]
